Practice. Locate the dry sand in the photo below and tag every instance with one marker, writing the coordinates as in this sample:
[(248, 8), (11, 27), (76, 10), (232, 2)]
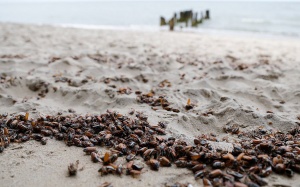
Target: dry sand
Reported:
[(238, 78)]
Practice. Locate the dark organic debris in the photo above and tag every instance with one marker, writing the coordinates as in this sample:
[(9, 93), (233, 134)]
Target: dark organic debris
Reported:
[(72, 168), (155, 102), (189, 105), (255, 155)]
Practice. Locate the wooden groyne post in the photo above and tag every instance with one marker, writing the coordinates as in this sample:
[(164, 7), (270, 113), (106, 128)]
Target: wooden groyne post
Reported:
[(162, 21), (172, 24), (207, 14), (195, 20), (187, 17)]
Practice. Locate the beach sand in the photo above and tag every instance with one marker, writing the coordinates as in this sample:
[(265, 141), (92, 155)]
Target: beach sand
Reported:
[(248, 81)]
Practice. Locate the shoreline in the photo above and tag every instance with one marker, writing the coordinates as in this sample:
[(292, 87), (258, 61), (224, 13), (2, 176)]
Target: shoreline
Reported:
[(150, 28)]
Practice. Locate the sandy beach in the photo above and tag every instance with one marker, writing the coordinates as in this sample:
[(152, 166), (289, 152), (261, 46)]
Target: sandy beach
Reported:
[(246, 81)]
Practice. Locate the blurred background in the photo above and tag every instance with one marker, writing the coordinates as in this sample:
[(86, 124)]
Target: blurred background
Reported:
[(276, 18)]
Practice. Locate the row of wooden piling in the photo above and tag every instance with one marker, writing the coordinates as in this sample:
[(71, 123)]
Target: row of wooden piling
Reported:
[(188, 17)]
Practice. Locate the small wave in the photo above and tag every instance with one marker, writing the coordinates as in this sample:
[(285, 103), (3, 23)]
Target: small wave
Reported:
[(290, 23), (88, 26), (152, 28), (113, 27), (255, 20)]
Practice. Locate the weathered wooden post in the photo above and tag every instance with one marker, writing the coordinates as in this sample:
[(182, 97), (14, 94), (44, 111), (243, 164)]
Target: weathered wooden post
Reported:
[(172, 24), (181, 17), (201, 18), (175, 18), (162, 21), (194, 20), (186, 18), (191, 14), (207, 14)]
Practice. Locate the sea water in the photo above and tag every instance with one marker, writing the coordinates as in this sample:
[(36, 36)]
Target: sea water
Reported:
[(276, 18)]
